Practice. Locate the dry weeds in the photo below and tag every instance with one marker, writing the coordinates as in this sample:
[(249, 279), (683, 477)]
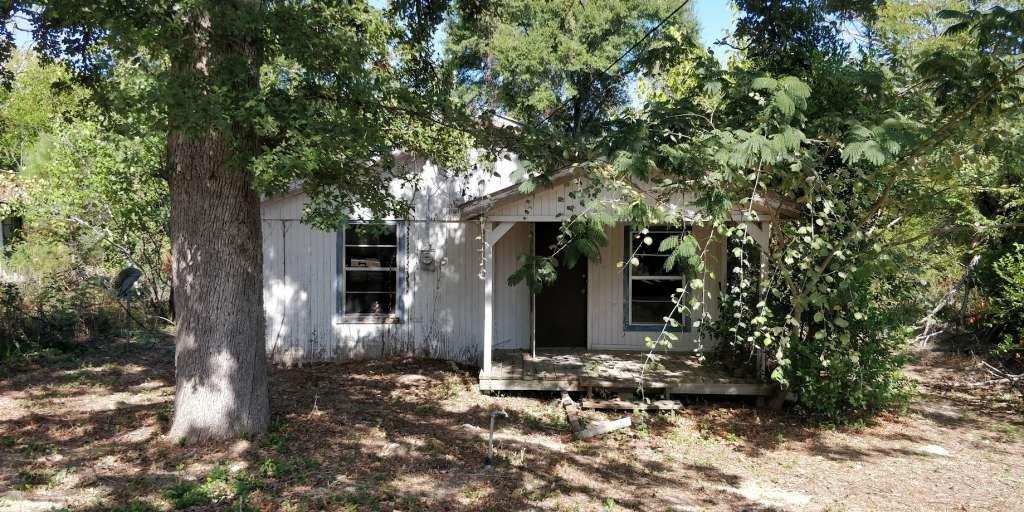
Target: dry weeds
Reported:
[(84, 433)]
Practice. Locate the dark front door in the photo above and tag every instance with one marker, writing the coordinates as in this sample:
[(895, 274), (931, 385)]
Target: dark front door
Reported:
[(561, 314)]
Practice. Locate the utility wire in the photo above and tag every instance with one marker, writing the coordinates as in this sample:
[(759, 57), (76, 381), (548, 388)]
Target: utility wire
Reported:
[(561, 104), (624, 54)]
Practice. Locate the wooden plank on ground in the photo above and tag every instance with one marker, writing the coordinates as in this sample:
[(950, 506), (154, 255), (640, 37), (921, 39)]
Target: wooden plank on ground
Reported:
[(604, 427), (627, 405), (571, 413)]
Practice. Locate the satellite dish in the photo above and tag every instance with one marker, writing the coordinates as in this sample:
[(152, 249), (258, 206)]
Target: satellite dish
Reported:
[(125, 280)]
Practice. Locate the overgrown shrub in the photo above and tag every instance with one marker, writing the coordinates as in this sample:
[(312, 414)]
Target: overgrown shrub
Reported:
[(13, 322), (838, 344), (57, 310), (1008, 301)]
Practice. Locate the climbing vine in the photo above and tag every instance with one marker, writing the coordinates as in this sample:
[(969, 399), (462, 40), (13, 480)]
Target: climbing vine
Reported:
[(828, 302)]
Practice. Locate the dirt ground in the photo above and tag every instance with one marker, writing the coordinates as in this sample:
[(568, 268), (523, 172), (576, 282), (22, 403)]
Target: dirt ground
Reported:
[(84, 433)]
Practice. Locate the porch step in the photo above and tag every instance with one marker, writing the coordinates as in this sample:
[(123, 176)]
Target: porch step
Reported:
[(629, 405), (583, 371)]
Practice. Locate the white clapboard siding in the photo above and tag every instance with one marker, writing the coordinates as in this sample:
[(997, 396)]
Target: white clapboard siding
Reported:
[(606, 326), (443, 307), (556, 202), (511, 304)]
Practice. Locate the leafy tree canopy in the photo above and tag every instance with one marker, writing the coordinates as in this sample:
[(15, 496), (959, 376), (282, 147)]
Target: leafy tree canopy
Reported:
[(875, 146), (334, 97)]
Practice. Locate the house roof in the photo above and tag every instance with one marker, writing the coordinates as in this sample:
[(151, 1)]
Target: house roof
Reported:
[(480, 205), (768, 202)]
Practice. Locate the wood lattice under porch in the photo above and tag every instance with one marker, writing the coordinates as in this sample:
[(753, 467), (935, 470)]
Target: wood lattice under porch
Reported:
[(568, 370)]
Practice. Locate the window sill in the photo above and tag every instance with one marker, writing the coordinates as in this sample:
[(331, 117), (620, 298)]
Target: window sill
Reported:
[(370, 319), (685, 327)]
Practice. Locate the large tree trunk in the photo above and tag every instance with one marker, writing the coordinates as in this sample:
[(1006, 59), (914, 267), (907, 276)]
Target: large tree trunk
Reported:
[(220, 359), (216, 245)]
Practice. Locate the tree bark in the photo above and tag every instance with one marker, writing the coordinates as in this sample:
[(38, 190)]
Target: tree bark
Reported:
[(216, 244)]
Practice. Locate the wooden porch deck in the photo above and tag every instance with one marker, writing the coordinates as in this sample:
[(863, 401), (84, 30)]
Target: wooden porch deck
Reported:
[(554, 370)]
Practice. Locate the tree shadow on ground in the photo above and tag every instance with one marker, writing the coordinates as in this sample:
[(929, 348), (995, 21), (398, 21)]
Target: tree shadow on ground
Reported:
[(401, 434)]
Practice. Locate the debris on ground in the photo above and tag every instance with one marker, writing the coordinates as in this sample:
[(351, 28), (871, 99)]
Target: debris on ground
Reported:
[(596, 428), (85, 431)]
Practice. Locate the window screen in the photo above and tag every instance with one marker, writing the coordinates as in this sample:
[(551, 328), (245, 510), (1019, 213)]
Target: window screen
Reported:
[(371, 269), (651, 286)]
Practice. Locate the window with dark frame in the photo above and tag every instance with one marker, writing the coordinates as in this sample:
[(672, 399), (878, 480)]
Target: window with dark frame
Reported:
[(650, 286), (370, 255)]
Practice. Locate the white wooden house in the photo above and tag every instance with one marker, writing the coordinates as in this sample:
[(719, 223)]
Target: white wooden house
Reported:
[(435, 284)]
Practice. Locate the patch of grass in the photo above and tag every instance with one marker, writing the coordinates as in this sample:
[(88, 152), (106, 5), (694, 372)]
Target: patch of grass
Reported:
[(473, 495), (56, 478), (1010, 430), (26, 480), (294, 467), (704, 433), (348, 507), (276, 438), (641, 424), (449, 388), (33, 448), (136, 506), (186, 494), (220, 486), (547, 492), (565, 507), (268, 468), (429, 408), (410, 502), (549, 418), (86, 375), (359, 497), (514, 458), (291, 506), (149, 337), (165, 414)]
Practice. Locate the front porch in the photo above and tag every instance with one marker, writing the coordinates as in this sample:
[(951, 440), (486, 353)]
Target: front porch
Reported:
[(578, 370), (590, 327)]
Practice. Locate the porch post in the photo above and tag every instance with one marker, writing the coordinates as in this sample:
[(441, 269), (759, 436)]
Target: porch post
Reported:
[(533, 296), (492, 233), (761, 233)]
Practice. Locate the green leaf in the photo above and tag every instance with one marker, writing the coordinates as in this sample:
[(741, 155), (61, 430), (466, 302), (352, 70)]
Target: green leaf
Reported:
[(527, 187), (784, 103), (795, 87), (764, 83), (668, 243)]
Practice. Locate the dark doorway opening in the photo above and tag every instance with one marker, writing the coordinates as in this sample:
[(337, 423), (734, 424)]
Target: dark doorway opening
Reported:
[(561, 307)]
